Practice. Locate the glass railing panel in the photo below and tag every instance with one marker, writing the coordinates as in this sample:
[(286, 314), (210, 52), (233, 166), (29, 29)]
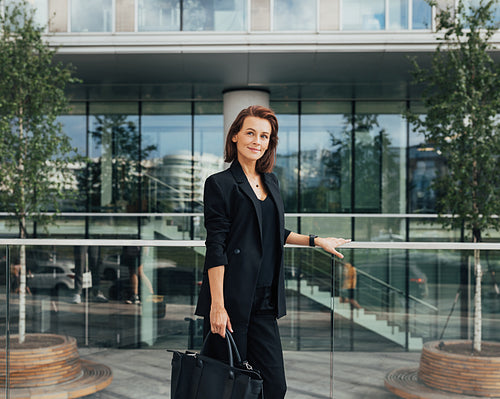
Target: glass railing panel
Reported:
[(405, 295), (113, 226), (172, 227), (324, 225), (376, 228), (429, 229), (66, 226)]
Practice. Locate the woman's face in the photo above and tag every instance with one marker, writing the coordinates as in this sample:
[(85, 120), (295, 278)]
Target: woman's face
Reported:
[(252, 140)]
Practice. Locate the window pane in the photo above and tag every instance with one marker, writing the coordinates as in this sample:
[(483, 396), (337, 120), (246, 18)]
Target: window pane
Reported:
[(159, 15), (222, 15), (422, 15), (398, 14), (91, 15), (74, 126), (41, 8), (363, 15), (287, 160), (325, 157), (423, 165), (114, 157), (166, 146), (208, 148), (380, 147), (475, 4), (294, 15)]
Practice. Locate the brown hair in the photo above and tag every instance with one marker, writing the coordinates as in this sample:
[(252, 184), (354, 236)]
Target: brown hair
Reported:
[(266, 163)]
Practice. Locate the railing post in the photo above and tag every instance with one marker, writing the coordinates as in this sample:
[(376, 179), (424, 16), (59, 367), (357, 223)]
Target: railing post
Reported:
[(7, 323), (407, 301), (332, 322)]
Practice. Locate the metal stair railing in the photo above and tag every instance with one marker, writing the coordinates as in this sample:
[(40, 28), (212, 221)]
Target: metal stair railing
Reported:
[(386, 299)]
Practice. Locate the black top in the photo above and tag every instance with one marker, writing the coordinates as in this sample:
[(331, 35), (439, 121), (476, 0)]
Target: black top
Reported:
[(270, 241)]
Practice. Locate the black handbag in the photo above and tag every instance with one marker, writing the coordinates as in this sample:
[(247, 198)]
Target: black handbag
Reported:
[(196, 376)]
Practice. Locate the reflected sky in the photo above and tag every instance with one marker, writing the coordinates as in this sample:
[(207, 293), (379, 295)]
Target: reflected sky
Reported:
[(294, 15), (91, 15)]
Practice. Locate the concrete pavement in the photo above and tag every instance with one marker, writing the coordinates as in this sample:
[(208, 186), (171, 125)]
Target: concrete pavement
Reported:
[(145, 373)]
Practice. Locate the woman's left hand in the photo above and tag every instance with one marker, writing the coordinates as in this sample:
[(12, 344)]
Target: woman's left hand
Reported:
[(330, 243)]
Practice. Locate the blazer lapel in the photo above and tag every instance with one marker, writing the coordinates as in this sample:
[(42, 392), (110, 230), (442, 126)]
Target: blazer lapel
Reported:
[(241, 179)]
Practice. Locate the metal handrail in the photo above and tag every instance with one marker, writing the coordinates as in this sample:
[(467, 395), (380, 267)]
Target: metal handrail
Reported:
[(397, 290), (288, 215), (421, 245)]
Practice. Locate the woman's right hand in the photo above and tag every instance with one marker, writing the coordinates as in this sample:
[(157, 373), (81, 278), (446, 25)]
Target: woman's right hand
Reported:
[(219, 320)]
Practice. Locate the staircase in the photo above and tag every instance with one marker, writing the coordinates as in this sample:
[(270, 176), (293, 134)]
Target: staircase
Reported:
[(358, 316)]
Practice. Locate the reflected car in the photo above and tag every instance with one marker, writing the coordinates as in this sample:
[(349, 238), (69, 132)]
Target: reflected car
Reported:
[(111, 269), (54, 278)]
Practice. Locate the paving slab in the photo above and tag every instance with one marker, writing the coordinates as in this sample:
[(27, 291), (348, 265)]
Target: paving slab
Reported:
[(145, 373)]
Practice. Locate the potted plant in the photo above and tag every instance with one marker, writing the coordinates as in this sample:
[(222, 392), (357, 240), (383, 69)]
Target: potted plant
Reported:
[(35, 156), (462, 100)]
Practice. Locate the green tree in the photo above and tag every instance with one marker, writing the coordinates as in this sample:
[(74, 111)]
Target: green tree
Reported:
[(34, 153), (462, 99)]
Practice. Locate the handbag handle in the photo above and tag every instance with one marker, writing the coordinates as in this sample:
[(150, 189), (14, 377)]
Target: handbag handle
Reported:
[(232, 349)]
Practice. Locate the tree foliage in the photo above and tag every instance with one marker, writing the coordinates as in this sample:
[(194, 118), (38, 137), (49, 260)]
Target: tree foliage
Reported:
[(35, 155), (34, 152), (462, 100)]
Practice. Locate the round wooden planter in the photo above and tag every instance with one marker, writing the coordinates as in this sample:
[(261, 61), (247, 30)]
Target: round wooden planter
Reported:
[(461, 374), (55, 363), (50, 367)]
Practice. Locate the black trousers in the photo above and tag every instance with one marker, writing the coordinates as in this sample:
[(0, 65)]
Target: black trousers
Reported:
[(259, 343)]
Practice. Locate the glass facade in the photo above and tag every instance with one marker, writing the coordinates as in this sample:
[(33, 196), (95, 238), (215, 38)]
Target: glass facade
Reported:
[(382, 15), (233, 15), (334, 157), (329, 158)]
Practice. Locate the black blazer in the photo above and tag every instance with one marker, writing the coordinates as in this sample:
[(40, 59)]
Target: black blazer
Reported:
[(233, 219)]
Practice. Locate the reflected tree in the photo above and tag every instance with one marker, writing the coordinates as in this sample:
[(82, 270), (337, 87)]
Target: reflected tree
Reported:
[(114, 176), (376, 164)]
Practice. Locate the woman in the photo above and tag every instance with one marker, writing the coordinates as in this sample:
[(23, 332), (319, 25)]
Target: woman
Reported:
[(243, 282)]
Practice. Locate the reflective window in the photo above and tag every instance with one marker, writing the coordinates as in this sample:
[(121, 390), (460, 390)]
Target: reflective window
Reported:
[(167, 154), (114, 154), (91, 15), (325, 155), (398, 14), (74, 126), (41, 13), (287, 160), (208, 143), (363, 15), (159, 15), (379, 158), (290, 15), (476, 3), (222, 15), (423, 165), (421, 15)]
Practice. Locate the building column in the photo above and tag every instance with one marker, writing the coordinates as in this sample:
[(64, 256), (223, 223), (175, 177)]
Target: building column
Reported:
[(236, 100)]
